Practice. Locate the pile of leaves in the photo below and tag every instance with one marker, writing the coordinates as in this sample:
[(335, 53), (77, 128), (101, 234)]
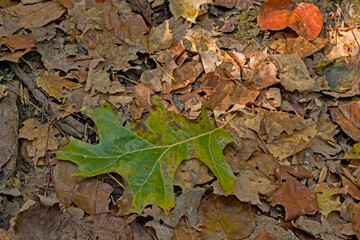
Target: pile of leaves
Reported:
[(180, 119)]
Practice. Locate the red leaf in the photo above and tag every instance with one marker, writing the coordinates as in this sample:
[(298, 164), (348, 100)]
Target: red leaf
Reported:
[(305, 19), (275, 14), (296, 198)]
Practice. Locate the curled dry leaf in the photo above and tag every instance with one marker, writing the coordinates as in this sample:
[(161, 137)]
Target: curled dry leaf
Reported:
[(305, 18)]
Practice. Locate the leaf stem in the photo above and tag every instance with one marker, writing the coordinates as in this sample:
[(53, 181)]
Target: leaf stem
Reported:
[(232, 117)]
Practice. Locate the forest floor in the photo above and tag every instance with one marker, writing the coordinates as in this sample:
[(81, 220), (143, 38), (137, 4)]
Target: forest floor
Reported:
[(283, 108)]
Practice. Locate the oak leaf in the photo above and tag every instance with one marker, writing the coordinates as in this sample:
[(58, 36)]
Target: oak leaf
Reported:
[(148, 156)]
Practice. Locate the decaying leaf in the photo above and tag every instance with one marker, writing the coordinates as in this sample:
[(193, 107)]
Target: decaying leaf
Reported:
[(21, 15), (299, 45), (296, 198), (187, 9), (53, 84), (225, 218), (295, 76), (40, 136), (159, 38), (19, 42), (149, 157), (328, 198), (92, 196)]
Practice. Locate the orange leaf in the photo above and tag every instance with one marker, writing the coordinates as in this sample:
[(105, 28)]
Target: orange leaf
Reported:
[(305, 19), (275, 14)]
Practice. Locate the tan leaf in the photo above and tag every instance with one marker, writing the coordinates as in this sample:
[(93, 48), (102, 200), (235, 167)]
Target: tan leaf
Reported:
[(187, 9), (53, 84)]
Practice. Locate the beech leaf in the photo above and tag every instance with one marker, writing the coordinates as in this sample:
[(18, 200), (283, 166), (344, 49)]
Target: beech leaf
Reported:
[(148, 156)]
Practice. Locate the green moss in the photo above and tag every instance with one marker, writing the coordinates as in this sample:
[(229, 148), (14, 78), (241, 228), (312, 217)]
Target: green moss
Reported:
[(245, 20)]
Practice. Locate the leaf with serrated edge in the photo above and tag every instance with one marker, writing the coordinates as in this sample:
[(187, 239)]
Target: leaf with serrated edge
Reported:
[(148, 156)]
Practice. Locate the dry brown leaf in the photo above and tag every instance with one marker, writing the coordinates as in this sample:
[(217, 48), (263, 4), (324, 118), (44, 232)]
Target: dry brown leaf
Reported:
[(159, 38), (351, 188), (92, 196), (249, 185), (191, 173), (299, 45), (53, 84), (262, 71), (350, 129), (354, 212), (34, 15), (187, 9), (64, 181), (295, 76), (342, 43), (225, 217), (19, 42), (40, 135), (264, 235), (296, 198)]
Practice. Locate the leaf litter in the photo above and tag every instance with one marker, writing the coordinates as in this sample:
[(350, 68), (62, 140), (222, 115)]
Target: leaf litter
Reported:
[(286, 166)]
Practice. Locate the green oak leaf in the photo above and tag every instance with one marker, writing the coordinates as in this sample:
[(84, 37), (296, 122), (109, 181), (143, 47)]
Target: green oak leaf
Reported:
[(147, 154)]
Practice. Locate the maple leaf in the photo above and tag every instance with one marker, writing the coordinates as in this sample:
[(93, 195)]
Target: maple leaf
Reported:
[(148, 156)]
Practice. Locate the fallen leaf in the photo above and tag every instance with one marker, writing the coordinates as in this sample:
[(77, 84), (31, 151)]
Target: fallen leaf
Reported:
[(249, 185), (327, 200), (342, 44), (42, 138), (210, 83), (34, 15), (191, 173), (53, 84), (19, 42), (299, 45), (187, 9), (263, 73), (157, 147), (92, 196), (296, 198), (351, 188), (264, 235), (225, 3), (227, 27), (304, 18), (354, 212), (294, 75), (350, 129), (3, 91), (339, 76), (225, 218), (159, 38), (354, 153), (64, 181), (351, 111), (184, 232), (186, 204)]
